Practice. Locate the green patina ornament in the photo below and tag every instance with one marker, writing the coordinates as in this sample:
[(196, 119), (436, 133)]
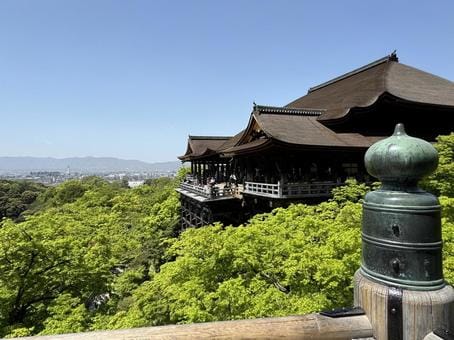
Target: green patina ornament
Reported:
[(401, 158), (401, 222)]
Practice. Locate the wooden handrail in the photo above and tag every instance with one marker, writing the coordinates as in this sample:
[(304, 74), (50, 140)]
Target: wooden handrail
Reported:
[(206, 191), (312, 326), (263, 189), (289, 190)]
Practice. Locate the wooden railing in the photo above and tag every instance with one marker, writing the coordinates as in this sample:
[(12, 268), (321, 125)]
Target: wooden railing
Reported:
[(273, 190), (207, 191), (314, 189), (312, 326), (197, 189), (262, 189), (290, 190)]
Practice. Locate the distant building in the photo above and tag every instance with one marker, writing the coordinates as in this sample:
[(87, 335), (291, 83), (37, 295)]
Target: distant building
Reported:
[(300, 151), (134, 184)]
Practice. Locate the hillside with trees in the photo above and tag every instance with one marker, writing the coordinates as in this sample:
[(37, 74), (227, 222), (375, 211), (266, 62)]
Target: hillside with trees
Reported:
[(90, 255)]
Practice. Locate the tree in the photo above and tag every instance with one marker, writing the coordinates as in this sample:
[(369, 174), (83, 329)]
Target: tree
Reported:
[(17, 196), (447, 222), (293, 260), (89, 246), (352, 191), (441, 182), (50, 254), (67, 315)]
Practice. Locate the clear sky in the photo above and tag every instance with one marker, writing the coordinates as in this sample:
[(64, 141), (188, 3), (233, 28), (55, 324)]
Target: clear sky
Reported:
[(132, 79)]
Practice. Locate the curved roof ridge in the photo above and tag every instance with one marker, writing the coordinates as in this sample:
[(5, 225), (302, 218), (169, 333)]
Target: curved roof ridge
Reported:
[(391, 57), (287, 110), (210, 137)]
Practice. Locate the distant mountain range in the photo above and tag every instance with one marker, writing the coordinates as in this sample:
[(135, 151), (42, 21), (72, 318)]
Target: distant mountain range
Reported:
[(82, 164)]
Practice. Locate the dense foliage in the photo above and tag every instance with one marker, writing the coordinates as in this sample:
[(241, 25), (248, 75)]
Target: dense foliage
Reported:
[(96, 255), (91, 242), (17, 196), (293, 260), (441, 182)]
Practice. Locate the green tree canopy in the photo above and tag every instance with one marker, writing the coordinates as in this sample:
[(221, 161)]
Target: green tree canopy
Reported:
[(91, 241), (17, 196), (293, 260), (441, 182)]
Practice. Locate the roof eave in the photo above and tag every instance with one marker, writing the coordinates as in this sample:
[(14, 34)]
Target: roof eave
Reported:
[(319, 147), (385, 95), (261, 147)]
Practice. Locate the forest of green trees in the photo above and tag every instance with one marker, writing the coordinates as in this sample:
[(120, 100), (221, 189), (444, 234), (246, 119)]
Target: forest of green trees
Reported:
[(90, 255)]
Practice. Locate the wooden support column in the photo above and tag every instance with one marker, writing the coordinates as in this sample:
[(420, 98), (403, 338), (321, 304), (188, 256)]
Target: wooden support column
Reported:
[(227, 170), (216, 171), (204, 172)]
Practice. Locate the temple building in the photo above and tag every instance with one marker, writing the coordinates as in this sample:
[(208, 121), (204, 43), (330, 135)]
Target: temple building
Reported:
[(301, 151)]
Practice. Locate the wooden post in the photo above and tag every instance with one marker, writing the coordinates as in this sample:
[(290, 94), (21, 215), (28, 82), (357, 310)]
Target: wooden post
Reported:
[(197, 171), (280, 186), (421, 311), (204, 175), (400, 284)]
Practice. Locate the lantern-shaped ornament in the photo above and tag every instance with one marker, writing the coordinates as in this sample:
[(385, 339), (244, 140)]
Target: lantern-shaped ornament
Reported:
[(402, 244)]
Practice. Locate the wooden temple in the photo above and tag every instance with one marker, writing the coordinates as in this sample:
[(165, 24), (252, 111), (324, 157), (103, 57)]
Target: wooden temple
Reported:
[(301, 151)]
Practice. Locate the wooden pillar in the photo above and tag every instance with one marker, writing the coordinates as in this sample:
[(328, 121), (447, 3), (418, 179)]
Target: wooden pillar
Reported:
[(201, 173), (249, 170), (217, 172), (280, 187), (421, 312)]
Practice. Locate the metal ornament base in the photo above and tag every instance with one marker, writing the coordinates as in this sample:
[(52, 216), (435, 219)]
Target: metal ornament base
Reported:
[(404, 284)]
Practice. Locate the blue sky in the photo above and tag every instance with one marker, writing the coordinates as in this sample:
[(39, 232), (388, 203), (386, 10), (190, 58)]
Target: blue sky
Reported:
[(132, 79)]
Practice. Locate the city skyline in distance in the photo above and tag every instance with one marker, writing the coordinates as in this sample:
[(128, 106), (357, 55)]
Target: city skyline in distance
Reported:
[(83, 164)]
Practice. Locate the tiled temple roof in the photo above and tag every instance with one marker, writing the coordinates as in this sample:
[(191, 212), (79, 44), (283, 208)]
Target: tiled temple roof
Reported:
[(199, 146), (363, 86)]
